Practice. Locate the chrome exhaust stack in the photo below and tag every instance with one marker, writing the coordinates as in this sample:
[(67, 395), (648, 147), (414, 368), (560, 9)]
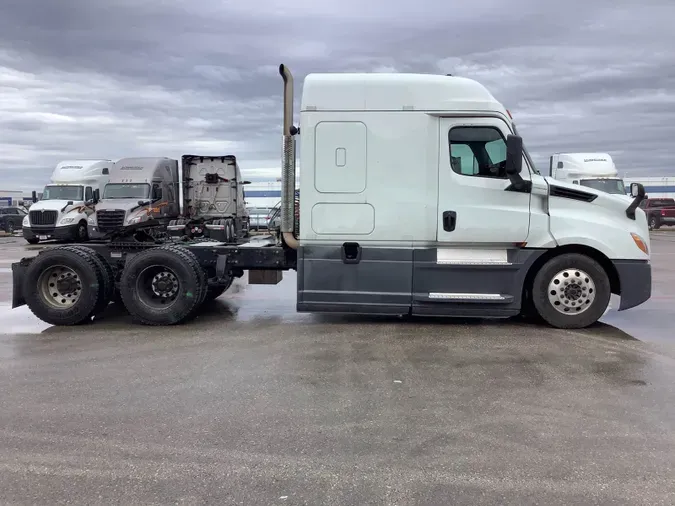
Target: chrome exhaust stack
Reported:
[(288, 163)]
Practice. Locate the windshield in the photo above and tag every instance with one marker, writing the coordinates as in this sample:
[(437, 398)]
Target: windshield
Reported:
[(126, 191), (615, 186), (62, 192), (526, 153)]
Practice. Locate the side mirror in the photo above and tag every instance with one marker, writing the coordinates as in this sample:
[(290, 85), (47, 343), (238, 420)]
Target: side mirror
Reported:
[(142, 202), (514, 154), (69, 203), (245, 182), (513, 165), (34, 196), (637, 190)]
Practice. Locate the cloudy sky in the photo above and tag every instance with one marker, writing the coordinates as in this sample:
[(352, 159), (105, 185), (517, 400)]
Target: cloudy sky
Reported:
[(116, 78)]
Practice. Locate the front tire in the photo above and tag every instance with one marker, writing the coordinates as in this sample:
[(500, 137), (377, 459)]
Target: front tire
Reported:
[(571, 291), (654, 223), (81, 233)]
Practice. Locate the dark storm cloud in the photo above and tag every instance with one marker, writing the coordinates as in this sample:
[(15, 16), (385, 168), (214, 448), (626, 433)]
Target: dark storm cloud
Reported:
[(118, 78)]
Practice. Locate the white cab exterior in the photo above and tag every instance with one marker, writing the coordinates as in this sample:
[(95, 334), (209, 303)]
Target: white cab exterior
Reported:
[(67, 201), (594, 170)]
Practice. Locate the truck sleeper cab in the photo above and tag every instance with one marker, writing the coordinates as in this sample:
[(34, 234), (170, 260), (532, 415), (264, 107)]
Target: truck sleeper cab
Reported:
[(418, 198), (212, 202), (593, 170), (408, 208)]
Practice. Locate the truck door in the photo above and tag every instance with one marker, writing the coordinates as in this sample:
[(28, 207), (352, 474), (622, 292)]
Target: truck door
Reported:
[(474, 206), (469, 271)]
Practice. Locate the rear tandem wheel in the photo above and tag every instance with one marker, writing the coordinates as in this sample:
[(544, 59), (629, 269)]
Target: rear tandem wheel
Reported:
[(64, 286), (163, 285)]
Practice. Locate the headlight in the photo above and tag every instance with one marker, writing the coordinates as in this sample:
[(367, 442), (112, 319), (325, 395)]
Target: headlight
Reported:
[(65, 221), (26, 221), (134, 220), (92, 220)]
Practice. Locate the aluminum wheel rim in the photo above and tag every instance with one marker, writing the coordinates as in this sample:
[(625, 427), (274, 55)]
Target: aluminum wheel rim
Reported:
[(60, 286), (571, 291)]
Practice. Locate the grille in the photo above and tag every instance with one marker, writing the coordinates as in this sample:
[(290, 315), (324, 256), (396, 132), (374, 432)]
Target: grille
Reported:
[(110, 220), (47, 218)]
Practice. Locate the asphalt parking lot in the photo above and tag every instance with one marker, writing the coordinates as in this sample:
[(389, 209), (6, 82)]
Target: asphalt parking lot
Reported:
[(253, 403)]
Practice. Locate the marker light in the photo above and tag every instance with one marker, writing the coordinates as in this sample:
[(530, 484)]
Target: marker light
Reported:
[(640, 243)]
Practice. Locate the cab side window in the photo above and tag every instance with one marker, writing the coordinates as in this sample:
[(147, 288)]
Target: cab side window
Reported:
[(88, 194), (477, 151), (156, 191)]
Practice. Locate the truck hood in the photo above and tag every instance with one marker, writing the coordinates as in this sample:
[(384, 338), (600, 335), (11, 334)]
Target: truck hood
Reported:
[(52, 205), (613, 197)]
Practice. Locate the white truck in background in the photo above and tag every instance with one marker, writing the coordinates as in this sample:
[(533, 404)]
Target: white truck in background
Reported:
[(66, 202), (594, 170)]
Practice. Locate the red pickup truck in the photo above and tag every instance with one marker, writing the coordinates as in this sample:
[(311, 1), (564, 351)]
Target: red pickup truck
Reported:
[(660, 211)]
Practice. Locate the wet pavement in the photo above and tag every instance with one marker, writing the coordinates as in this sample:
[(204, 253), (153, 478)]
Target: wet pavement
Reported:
[(253, 403)]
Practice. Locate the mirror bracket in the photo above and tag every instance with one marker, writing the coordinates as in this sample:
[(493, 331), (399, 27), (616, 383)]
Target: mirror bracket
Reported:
[(637, 191)]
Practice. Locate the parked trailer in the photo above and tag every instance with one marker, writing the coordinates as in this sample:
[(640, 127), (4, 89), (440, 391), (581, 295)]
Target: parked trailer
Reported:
[(656, 187), (399, 228)]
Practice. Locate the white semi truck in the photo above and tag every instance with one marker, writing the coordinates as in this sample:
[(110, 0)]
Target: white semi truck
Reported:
[(594, 170), (418, 199), (201, 198), (67, 201)]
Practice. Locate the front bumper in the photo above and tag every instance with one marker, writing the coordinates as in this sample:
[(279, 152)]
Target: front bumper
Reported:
[(94, 232), (635, 281), (60, 233)]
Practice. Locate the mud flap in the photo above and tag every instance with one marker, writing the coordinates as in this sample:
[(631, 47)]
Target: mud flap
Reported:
[(18, 273)]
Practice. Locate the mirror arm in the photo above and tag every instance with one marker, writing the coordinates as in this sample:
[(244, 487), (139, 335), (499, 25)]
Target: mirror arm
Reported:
[(630, 210), (518, 184)]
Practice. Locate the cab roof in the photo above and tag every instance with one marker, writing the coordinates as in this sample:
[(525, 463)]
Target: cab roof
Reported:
[(395, 92)]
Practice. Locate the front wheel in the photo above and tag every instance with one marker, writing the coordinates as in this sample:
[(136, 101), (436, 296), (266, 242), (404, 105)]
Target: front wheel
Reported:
[(82, 234), (571, 291), (654, 223)]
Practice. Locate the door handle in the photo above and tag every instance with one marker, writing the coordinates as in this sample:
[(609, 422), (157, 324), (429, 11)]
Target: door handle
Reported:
[(449, 220), (351, 253)]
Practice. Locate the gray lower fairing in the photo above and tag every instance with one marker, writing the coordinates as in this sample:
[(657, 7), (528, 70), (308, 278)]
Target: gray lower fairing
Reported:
[(409, 281)]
